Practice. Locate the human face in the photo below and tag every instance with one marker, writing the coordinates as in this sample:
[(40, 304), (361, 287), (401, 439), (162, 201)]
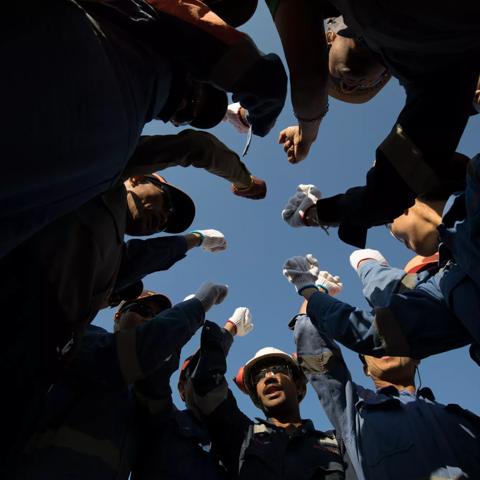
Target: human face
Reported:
[(149, 207), (135, 314), (352, 65), (276, 388), (416, 231), (395, 370)]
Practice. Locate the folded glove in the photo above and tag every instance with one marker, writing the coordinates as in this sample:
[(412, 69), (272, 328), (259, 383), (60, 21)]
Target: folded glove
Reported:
[(210, 294), (331, 284), (305, 197), (242, 319), (358, 256), (212, 240), (236, 116), (302, 271), (256, 190)]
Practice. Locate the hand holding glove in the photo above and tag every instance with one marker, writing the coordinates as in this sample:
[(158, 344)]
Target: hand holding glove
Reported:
[(359, 256), (305, 197), (212, 240), (301, 271), (242, 320), (332, 285), (255, 191), (237, 116), (210, 294)]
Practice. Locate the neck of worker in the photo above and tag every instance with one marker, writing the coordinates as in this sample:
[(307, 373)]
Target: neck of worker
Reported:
[(401, 385), (288, 420)]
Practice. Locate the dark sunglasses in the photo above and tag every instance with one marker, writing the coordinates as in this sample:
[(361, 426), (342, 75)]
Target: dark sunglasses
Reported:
[(141, 308), (285, 369)]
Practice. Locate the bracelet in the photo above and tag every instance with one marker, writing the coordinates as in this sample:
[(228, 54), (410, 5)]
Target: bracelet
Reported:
[(308, 286), (200, 234), (314, 119)]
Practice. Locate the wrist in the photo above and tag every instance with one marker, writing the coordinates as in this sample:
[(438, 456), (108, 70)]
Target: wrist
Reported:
[(230, 327), (239, 187), (309, 216), (199, 237), (305, 288)]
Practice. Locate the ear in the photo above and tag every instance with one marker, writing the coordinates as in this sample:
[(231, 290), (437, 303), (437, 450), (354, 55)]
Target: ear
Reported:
[(330, 36), (366, 371), (135, 180)]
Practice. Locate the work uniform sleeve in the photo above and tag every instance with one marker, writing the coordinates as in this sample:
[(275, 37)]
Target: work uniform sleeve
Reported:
[(188, 148), (323, 364), (380, 282), (414, 324), (142, 257), (145, 348), (227, 425)]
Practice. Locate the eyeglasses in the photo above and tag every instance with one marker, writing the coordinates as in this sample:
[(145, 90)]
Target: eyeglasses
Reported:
[(285, 369), (141, 308)]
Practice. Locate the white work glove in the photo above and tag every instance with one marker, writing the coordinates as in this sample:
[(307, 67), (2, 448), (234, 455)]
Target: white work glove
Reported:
[(332, 284), (210, 294), (212, 240), (366, 254), (235, 118), (242, 319), (305, 197), (301, 271)]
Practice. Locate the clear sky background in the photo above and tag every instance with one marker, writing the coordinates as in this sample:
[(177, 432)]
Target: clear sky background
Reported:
[(259, 241)]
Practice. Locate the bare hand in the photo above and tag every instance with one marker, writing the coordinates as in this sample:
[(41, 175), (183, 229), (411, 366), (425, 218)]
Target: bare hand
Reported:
[(295, 145)]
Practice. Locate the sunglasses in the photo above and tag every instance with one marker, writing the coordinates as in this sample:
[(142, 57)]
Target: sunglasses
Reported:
[(285, 369), (141, 308)]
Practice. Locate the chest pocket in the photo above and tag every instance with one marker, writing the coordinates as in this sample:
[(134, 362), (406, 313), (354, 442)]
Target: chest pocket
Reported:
[(263, 457), (378, 443)]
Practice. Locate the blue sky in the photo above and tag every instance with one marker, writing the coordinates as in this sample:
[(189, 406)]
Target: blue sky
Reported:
[(259, 241)]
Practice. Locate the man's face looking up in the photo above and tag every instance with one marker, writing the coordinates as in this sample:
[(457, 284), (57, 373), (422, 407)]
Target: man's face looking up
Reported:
[(148, 207)]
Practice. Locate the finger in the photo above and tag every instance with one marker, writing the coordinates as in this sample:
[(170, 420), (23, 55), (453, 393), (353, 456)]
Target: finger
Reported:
[(282, 136)]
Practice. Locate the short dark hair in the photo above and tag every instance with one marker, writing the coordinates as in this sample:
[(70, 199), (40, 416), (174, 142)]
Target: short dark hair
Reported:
[(213, 104)]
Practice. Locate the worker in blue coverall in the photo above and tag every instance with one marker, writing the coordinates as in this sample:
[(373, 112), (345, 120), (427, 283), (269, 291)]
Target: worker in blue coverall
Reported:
[(89, 426), (394, 431), (72, 268), (281, 447), (440, 313), (175, 444), (433, 50), (111, 68)]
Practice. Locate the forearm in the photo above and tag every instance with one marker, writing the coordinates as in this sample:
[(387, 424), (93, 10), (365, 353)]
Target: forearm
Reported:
[(145, 348), (302, 34), (142, 257)]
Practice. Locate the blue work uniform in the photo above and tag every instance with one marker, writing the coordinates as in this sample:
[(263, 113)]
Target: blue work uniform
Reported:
[(257, 449), (442, 310), (388, 434), (89, 427), (434, 51), (111, 68), (175, 444)]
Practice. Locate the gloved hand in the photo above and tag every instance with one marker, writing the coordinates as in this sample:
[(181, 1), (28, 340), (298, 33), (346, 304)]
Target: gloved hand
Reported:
[(301, 271), (305, 197), (210, 294), (332, 284), (242, 319), (256, 190), (358, 256), (212, 240), (237, 116)]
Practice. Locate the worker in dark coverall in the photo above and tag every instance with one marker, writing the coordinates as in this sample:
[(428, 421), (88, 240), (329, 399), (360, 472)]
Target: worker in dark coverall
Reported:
[(441, 311), (394, 431), (89, 426), (433, 50), (73, 267), (281, 447), (111, 67), (175, 444)]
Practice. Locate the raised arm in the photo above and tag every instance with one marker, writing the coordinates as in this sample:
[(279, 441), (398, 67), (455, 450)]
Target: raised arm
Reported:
[(300, 26)]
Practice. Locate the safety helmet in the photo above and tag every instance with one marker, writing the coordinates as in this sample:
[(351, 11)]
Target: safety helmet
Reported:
[(162, 301), (183, 208), (244, 380)]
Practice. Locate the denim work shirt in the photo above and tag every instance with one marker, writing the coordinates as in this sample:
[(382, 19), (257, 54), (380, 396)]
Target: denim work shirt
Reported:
[(388, 434)]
